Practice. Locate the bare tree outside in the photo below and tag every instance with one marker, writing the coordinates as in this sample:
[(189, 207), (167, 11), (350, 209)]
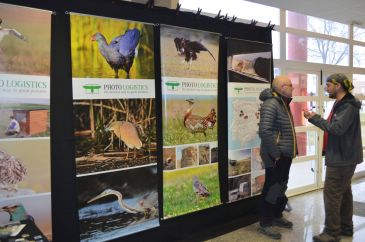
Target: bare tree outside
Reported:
[(327, 51)]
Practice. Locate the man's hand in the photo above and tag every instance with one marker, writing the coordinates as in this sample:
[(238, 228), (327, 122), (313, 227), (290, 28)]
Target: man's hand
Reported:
[(308, 114)]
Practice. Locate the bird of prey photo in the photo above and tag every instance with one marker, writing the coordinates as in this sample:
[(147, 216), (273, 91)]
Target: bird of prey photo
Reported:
[(199, 188), (9, 31), (120, 52), (189, 49)]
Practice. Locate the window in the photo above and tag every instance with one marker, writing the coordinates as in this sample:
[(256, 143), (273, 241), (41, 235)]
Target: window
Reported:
[(359, 34), (276, 44), (238, 8), (316, 50), (359, 83), (317, 25), (359, 56)]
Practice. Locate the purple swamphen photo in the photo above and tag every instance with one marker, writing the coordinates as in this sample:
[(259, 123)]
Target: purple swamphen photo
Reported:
[(119, 53)]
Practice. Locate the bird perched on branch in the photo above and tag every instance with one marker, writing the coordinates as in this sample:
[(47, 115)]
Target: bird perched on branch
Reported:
[(199, 188), (12, 171), (126, 132), (189, 49), (120, 52), (196, 123), (8, 31)]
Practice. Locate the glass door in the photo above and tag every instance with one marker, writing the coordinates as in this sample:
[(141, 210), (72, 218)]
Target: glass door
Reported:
[(306, 169)]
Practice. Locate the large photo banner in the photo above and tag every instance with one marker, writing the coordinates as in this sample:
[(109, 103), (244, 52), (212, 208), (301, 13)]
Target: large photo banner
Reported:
[(115, 126), (249, 72), (25, 196), (189, 63)]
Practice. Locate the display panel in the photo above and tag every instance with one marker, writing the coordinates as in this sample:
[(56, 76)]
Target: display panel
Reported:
[(249, 73), (115, 126), (25, 197), (189, 64)]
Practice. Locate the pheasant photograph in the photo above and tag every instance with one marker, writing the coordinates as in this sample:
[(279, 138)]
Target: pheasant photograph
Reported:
[(120, 52), (196, 123), (111, 48), (190, 119)]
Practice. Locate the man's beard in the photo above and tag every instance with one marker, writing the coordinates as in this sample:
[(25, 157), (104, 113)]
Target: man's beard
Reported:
[(332, 95)]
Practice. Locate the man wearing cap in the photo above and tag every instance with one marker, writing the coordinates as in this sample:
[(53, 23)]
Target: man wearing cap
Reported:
[(278, 148), (342, 147), (13, 127)]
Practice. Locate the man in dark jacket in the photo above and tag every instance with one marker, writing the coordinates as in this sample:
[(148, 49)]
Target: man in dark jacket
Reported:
[(278, 148), (343, 151)]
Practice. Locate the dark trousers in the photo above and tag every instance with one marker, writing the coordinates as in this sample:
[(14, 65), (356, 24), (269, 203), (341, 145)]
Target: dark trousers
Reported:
[(273, 199), (337, 195)]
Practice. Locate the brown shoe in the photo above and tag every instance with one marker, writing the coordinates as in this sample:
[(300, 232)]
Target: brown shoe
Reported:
[(324, 237)]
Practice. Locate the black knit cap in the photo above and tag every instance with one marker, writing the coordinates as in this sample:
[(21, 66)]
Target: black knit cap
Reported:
[(342, 79)]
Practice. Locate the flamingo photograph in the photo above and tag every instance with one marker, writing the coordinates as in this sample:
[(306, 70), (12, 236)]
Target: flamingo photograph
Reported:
[(25, 40), (114, 134), (111, 48)]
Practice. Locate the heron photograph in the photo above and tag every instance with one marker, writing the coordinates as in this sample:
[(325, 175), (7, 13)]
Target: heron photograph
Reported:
[(189, 53), (190, 189), (111, 48), (118, 203), (114, 134), (189, 119), (25, 40)]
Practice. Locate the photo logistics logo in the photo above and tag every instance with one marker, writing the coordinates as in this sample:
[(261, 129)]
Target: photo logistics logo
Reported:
[(238, 90), (91, 88), (172, 86)]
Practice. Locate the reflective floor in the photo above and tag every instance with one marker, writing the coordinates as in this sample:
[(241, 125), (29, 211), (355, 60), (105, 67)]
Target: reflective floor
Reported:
[(308, 217)]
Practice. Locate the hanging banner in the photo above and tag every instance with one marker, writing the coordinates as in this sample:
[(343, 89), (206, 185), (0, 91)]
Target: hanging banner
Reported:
[(115, 126), (249, 72), (25, 197), (189, 62)]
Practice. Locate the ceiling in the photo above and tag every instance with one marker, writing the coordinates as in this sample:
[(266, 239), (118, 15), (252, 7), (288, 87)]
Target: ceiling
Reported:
[(343, 11)]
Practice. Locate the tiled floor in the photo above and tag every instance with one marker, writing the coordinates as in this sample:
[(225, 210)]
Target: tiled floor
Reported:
[(308, 217)]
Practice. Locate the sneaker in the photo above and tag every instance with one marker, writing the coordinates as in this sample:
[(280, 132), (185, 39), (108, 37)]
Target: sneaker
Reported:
[(270, 232), (282, 222), (347, 232), (324, 237)]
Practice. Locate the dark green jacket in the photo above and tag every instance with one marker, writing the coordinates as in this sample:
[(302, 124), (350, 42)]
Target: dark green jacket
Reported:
[(276, 128), (344, 145)]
